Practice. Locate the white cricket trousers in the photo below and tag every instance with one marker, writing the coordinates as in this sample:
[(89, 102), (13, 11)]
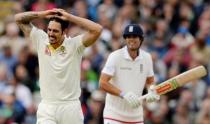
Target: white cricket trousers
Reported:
[(62, 113), (113, 121)]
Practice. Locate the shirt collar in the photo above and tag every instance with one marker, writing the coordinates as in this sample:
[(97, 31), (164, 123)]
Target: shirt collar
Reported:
[(127, 56), (60, 48)]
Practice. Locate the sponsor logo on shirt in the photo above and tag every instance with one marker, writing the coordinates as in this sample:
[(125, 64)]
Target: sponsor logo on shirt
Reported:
[(47, 51), (125, 68)]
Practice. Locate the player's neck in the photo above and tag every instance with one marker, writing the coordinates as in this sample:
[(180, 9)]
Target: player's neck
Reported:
[(133, 53)]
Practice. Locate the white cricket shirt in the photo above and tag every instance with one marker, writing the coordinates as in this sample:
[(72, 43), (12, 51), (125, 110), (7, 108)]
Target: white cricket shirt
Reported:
[(59, 69), (128, 75)]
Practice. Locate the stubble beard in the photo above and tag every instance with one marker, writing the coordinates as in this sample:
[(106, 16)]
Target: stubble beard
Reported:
[(134, 48)]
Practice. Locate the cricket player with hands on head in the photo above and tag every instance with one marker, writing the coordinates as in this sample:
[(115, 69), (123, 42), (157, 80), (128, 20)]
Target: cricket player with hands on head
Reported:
[(124, 76), (59, 63)]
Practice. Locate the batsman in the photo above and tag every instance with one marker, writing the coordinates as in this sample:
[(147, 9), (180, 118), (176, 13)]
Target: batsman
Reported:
[(124, 76)]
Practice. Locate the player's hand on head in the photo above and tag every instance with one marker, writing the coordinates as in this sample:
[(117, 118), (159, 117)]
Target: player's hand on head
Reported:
[(132, 99), (152, 95), (62, 14), (48, 13)]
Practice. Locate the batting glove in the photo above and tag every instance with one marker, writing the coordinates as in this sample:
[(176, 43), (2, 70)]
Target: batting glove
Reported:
[(152, 95), (131, 98)]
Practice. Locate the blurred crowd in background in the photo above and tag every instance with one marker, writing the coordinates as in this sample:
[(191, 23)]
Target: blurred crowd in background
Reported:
[(177, 34)]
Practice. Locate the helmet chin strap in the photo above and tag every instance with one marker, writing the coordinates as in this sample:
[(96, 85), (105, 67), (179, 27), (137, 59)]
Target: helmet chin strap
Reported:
[(137, 52), (138, 49)]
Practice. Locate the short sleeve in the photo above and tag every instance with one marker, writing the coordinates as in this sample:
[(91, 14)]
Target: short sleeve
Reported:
[(36, 36), (150, 72), (78, 44), (110, 66)]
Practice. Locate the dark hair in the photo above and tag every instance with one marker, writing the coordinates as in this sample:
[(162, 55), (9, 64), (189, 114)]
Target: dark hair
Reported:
[(64, 23)]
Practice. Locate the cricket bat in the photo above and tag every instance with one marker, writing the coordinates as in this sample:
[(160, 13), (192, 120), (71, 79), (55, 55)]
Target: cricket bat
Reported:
[(179, 80)]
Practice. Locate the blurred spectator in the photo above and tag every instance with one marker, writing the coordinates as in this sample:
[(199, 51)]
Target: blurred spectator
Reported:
[(162, 31), (12, 38), (9, 7), (108, 8), (125, 15), (178, 59), (168, 13), (96, 59), (203, 116), (89, 76), (198, 87), (160, 114), (200, 52), (184, 108), (14, 108), (208, 93), (8, 58), (186, 11), (204, 24), (30, 61), (41, 5), (30, 117), (80, 9), (116, 43), (106, 35), (21, 92), (96, 104), (85, 96), (5, 115), (160, 69), (92, 9), (183, 38), (3, 77), (158, 46), (145, 9)]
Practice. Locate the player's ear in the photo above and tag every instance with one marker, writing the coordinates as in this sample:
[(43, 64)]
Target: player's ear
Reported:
[(65, 31)]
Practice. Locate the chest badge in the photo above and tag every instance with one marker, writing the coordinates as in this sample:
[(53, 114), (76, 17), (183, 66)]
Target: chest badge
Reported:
[(62, 50), (47, 51)]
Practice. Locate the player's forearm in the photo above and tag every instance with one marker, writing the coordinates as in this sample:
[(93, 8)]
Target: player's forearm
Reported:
[(149, 81), (85, 23), (109, 88), (27, 17)]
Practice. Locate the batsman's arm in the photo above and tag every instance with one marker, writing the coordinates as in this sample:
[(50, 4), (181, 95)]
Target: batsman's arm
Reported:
[(108, 87), (130, 97), (149, 81)]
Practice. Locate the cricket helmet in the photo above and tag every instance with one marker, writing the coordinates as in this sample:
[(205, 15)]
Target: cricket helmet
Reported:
[(133, 29)]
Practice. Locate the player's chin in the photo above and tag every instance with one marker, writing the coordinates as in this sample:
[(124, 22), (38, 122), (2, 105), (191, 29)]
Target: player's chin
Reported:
[(133, 48), (52, 41)]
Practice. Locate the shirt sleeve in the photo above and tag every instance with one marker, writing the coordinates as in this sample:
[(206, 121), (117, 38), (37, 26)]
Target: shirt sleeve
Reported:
[(37, 35), (151, 72), (110, 66), (79, 45)]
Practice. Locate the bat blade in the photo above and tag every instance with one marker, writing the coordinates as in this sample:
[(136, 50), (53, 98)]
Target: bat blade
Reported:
[(180, 80)]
